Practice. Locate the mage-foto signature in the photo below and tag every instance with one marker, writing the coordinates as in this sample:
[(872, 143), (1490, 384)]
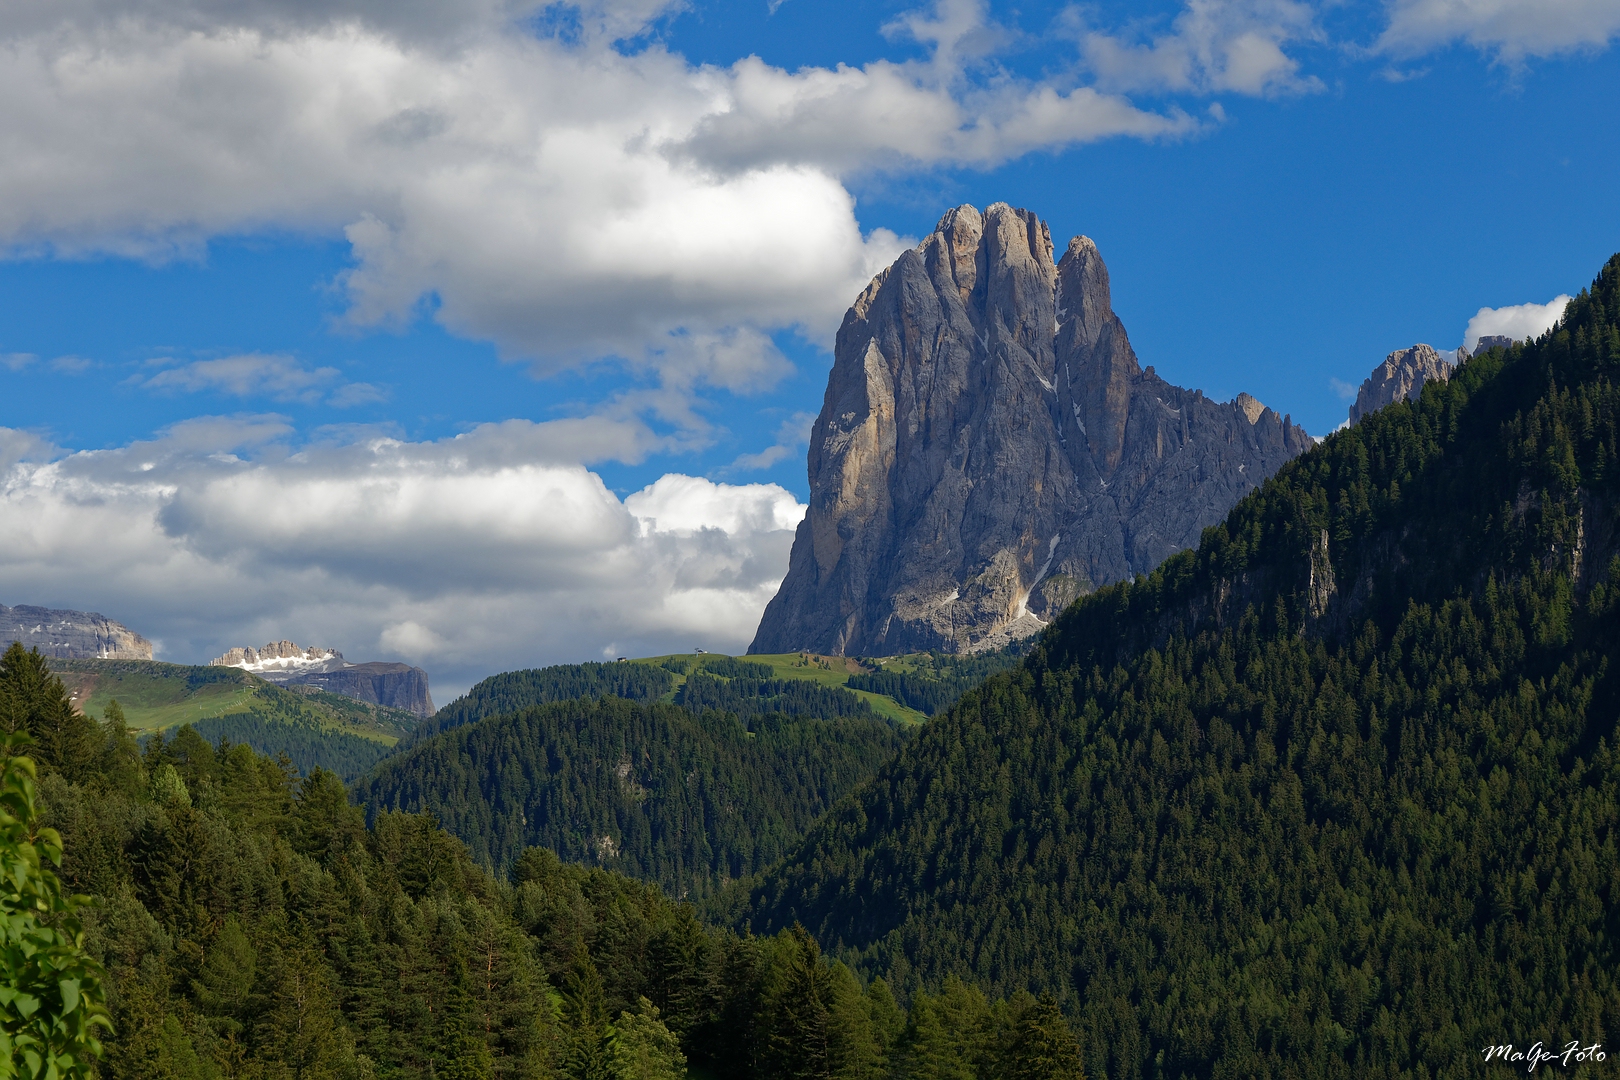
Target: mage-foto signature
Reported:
[(1531, 1056)]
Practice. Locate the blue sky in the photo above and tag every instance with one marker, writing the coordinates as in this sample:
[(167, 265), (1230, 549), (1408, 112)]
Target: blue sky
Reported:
[(262, 255)]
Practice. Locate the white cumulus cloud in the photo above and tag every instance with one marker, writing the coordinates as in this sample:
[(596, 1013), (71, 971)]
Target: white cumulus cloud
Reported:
[(1212, 46), (1518, 321), (566, 200), (486, 552), (1511, 29)]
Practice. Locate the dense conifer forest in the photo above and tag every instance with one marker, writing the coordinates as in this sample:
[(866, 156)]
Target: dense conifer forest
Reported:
[(654, 791), (1336, 794), (513, 690), (761, 696), (249, 924)]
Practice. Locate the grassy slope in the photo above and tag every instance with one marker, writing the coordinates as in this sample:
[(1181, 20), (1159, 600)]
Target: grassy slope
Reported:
[(157, 696), (824, 670)]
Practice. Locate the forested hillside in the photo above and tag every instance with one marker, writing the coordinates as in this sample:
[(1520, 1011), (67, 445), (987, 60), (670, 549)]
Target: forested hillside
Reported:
[(1336, 794), (253, 926), (513, 690), (654, 791), (930, 682)]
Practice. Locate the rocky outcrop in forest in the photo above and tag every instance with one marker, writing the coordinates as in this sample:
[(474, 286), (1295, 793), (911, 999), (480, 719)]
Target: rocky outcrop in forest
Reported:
[(1401, 377), (989, 449), (71, 635)]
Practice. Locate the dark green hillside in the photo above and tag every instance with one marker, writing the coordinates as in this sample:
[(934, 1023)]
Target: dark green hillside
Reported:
[(652, 791), (930, 683), (1337, 794), (702, 682), (251, 925), (759, 697), (513, 690)]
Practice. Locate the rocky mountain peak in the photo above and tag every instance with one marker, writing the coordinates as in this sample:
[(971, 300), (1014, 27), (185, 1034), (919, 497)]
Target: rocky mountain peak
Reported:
[(280, 656), (1492, 341), (1399, 377), (989, 448)]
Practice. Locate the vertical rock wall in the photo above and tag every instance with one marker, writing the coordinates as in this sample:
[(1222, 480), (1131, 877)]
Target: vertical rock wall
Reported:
[(989, 449)]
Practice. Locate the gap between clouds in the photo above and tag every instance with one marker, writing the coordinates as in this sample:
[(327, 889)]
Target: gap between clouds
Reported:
[(490, 551)]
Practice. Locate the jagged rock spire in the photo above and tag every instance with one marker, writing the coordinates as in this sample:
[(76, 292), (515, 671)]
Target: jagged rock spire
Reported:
[(989, 448)]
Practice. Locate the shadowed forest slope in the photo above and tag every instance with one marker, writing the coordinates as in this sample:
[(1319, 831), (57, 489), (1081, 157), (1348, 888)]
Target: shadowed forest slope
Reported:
[(652, 791)]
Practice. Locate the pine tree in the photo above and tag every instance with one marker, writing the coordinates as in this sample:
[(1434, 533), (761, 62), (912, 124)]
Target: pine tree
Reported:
[(797, 993), (587, 1050), (34, 701), (1043, 1046)]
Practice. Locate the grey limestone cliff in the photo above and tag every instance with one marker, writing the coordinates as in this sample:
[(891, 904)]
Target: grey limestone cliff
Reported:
[(989, 449), (399, 686), (71, 635), (1400, 377)]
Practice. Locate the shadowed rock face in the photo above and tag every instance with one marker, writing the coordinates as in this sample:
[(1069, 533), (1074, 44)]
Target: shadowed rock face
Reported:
[(989, 449), (399, 686), (71, 635)]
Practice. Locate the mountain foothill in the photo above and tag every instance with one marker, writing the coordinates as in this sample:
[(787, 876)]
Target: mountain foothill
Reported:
[(1306, 769)]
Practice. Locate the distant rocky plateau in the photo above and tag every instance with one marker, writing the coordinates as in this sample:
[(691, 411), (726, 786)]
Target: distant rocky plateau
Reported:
[(398, 686), (989, 449), (71, 635)]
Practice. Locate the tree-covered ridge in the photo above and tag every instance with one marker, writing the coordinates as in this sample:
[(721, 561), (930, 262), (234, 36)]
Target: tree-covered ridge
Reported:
[(652, 791), (252, 926), (931, 683), (305, 744), (762, 696), (1335, 794), (513, 690)]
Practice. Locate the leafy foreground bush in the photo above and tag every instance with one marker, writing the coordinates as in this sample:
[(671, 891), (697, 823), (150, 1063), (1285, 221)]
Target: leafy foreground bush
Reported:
[(51, 1001), (252, 926)]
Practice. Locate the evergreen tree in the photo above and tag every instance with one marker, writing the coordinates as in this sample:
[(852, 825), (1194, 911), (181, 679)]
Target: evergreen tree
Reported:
[(1043, 1046), (588, 1048), (799, 1045), (34, 702)]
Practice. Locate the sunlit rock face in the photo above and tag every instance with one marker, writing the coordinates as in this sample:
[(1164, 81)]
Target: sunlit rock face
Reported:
[(989, 449), (1401, 377), (71, 635)]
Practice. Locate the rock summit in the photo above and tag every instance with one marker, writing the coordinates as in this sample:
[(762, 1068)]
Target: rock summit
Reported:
[(989, 449)]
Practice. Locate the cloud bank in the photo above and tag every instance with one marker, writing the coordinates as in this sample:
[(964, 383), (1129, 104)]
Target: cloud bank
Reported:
[(564, 199), (1518, 322), (490, 551), (1511, 29)]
